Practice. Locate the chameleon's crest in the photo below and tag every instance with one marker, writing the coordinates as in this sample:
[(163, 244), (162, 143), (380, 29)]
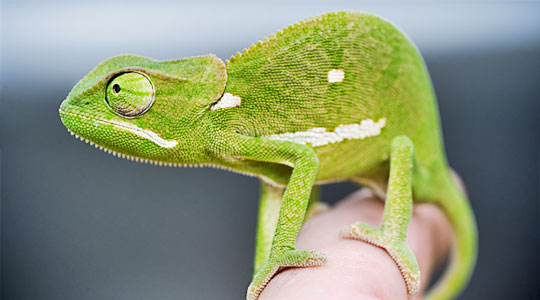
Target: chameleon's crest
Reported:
[(272, 36)]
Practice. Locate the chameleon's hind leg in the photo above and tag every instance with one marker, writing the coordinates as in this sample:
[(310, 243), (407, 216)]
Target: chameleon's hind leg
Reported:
[(315, 206), (397, 214), (269, 204)]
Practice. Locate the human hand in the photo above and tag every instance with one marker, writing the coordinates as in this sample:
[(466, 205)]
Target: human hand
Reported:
[(357, 270)]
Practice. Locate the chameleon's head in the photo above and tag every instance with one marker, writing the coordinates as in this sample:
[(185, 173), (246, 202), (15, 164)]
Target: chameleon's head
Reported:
[(144, 109)]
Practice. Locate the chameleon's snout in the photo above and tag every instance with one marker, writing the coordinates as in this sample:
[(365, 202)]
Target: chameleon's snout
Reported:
[(67, 106), (65, 113), (63, 105)]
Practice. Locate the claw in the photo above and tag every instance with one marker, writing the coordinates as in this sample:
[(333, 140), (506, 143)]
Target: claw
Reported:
[(292, 258), (400, 253)]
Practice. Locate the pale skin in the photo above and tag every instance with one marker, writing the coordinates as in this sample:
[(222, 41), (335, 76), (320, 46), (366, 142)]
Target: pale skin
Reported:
[(341, 96), (359, 270)]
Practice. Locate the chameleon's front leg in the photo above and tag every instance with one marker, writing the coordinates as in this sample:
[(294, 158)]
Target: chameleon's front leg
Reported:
[(293, 207), (269, 205), (396, 216)]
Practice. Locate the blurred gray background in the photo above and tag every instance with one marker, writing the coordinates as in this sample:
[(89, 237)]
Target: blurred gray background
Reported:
[(77, 223)]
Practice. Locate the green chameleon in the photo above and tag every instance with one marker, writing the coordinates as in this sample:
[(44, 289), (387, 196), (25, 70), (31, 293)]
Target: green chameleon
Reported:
[(339, 96)]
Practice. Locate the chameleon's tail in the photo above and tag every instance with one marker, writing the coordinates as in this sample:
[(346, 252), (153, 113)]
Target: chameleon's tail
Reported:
[(463, 256)]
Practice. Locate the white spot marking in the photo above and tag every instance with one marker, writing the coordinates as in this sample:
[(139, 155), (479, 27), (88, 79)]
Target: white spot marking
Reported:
[(145, 133), (319, 136), (336, 75), (228, 100)]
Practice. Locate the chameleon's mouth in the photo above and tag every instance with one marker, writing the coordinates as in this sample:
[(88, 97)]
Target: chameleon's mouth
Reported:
[(66, 115), (144, 133)]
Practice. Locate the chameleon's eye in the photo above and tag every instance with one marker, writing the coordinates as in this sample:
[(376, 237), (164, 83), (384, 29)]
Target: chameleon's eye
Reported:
[(130, 94)]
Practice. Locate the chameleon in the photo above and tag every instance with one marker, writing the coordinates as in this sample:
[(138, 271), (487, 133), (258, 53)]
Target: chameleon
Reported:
[(340, 96)]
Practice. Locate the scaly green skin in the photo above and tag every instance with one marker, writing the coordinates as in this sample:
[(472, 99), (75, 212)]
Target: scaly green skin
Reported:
[(339, 96)]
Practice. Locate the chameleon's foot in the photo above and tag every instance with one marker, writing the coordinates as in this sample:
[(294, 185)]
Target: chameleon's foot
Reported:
[(292, 258), (398, 250)]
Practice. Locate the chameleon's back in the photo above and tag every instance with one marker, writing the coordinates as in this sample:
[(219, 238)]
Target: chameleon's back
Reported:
[(336, 69), (309, 80)]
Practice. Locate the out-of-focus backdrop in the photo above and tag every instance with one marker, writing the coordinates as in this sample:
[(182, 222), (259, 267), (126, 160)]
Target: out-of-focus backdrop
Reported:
[(77, 223)]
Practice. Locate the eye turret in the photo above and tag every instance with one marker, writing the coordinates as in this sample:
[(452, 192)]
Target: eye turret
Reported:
[(130, 94)]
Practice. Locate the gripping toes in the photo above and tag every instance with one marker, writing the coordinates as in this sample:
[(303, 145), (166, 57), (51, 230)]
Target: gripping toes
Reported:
[(396, 216), (292, 258), (398, 250)]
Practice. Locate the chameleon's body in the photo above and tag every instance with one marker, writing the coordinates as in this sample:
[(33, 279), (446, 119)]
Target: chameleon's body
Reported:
[(335, 97)]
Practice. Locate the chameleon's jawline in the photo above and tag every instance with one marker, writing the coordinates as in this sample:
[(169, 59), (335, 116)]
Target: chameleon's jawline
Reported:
[(144, 133)]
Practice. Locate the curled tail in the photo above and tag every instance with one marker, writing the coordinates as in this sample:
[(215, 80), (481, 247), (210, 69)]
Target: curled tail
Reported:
[(463, 256)]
